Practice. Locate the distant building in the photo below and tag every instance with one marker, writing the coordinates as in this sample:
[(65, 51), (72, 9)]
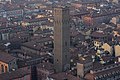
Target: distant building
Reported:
[(62, 76), (92, 20), (37, 47), (20, 74), (44, 70), (110, 72), (115, 20), (117, 50), (100, 16), (61, 38), (99, 35), (1, 1), (84, 65), (107, 47), (7, 62)]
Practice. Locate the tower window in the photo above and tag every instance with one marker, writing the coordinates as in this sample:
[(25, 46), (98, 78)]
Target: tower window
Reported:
[(66, 56), (65, 43)]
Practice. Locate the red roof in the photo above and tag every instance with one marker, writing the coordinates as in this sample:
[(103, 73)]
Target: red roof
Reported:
[(63, 76), (98, 34), (5, 57)]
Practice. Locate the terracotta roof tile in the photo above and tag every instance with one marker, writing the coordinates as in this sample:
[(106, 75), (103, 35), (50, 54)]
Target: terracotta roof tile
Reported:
[(6, 57), (63, 76)]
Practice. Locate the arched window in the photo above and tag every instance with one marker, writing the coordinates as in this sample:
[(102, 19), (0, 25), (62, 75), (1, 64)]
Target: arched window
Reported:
[(6, 69), (2, 68)]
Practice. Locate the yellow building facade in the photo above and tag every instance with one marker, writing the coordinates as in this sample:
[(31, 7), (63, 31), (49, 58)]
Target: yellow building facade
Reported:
[(3, 67)]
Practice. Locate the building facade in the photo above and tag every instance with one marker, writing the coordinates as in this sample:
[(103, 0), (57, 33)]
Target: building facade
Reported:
[(7, 62), (61, 38), (110, 72), (84, 65)]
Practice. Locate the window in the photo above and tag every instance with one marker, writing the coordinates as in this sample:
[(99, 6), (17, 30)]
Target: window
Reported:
[(2, 68), (65, 43), (66, 56), (14, 62), (5, 68)]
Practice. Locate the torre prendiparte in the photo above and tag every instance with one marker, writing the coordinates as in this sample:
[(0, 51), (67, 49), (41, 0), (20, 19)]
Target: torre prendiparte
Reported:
[(61, 38)]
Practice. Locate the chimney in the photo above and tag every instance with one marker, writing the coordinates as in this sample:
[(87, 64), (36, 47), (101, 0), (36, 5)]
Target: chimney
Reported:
[(34, 73)]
